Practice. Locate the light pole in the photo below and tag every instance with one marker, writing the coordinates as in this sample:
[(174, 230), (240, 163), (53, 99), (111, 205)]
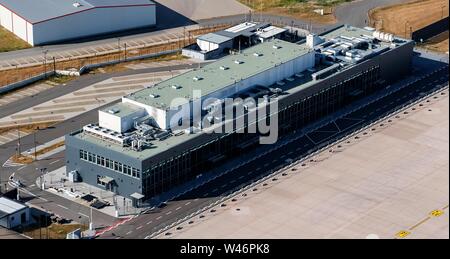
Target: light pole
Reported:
[(45, 62), (406, 23), (125, 45), (18, 141), (34, 142), (118, 46)]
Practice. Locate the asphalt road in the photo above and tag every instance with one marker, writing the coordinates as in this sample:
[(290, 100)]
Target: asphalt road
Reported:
[(356, 13), (193, 201)]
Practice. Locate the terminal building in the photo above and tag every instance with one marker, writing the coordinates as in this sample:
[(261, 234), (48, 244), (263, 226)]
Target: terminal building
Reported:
[(137, 149)]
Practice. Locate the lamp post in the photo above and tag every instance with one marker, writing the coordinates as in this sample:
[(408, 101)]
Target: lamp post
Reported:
[(45, 62), (118, 46), (406, 23)]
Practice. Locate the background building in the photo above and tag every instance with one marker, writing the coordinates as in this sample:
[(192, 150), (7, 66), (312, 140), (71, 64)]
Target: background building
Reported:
[(48, 21), (13, 214), (238, 37), (134, 151)]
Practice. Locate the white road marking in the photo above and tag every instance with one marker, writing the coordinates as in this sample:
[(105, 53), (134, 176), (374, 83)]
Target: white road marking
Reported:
[(43, 199), (159, 217), (187, 203), (59, 205), (150, 222), (168, 213), (139, 227), (21, 168), (178, 208), (82, 214), (129, 232), (240, 177), (56, 161)]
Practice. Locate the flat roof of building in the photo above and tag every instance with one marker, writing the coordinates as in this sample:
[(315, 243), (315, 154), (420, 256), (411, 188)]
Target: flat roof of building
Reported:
[(270, 32), (214, 38), (122, 109), (8, 206), (38, 11), (217, 75)]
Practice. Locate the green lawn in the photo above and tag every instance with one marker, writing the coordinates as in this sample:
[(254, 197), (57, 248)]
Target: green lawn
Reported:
[(9, 41)]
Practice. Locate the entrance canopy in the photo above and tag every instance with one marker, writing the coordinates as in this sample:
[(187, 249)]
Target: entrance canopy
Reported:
[(137, 196), (106, 179)]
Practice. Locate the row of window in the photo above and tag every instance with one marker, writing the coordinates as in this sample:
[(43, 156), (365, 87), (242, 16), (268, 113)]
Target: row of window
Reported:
[(110, 164)]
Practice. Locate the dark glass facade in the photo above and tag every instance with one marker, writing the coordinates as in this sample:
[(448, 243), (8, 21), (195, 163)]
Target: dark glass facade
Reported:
[(179, 169)]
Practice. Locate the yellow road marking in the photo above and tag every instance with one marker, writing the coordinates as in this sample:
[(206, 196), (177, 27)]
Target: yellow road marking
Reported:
[(402, 234), (436, 213)]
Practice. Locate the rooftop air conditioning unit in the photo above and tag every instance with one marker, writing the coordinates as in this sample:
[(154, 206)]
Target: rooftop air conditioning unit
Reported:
[(76, 4), (154, 95)]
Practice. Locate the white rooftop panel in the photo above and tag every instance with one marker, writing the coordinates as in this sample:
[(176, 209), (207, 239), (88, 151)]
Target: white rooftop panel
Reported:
[(241, 27), (8, 206), (270, 32)]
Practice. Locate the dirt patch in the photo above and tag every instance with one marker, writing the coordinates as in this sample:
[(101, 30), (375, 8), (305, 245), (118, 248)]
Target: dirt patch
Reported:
[(28, 128), (123, 66), (302, 9), (54, 231), (403, 19), (29, 158), (10, 42)]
